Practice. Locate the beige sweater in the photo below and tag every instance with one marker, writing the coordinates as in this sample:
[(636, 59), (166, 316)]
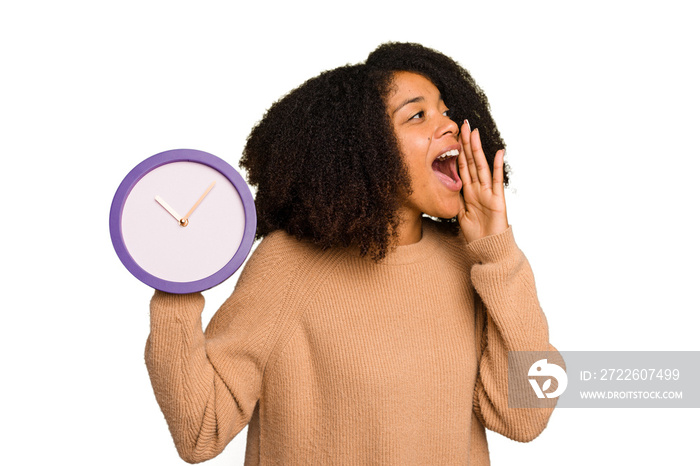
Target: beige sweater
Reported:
[(334, 359)]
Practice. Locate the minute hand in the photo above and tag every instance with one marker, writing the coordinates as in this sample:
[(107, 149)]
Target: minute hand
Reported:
[(187, 215)]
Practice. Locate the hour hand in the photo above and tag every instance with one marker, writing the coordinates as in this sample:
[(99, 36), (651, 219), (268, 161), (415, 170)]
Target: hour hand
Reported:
[(170, 210)]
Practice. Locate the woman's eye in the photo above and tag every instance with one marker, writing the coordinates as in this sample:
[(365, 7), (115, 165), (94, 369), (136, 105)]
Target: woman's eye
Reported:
[(446, 113), (417, 116)]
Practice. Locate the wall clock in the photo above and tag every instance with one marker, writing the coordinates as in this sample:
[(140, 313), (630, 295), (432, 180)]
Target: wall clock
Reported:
[(182, 221)]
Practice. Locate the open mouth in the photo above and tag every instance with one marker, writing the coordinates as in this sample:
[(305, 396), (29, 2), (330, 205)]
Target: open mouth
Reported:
[(445, 168)]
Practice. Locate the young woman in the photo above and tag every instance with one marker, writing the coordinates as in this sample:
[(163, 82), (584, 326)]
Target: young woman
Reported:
[(372, 324)]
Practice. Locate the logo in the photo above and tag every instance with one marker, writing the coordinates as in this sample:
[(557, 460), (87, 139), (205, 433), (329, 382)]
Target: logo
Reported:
[(543, 368)]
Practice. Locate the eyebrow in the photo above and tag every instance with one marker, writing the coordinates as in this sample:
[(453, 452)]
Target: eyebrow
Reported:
[(408, 101), (411, 101)]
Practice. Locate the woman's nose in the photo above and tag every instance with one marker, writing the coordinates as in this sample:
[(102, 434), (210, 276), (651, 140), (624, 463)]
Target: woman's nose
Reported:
[(447, 126)]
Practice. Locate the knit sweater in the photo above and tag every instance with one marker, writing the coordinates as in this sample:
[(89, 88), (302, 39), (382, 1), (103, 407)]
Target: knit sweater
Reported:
[(332, 358)]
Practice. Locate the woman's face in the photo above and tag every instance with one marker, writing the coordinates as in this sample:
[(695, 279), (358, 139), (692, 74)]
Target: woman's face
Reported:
[(429, 142)]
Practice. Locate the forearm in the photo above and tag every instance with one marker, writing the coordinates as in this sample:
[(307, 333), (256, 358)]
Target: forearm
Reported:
[(504, 281), (184, 382), (510, 319)]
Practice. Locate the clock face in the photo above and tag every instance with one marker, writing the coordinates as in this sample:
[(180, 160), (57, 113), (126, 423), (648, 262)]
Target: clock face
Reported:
[(183, 221)]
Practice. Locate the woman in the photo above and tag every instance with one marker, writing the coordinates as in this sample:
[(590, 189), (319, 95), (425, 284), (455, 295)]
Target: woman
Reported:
[(362, 331)]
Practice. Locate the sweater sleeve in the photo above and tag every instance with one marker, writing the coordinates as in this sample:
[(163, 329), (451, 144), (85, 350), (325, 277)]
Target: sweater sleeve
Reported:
[(509, 318), (208, 383)]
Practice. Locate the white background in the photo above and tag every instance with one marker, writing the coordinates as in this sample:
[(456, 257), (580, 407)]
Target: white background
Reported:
[(596, 100)]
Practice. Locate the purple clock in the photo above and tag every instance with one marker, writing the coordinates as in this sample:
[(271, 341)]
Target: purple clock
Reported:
[(183, 221)]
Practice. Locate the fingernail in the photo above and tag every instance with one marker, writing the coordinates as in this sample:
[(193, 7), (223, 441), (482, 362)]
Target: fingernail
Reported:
[(468, 125)]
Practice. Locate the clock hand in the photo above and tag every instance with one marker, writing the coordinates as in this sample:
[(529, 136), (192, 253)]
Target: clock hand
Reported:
[(187, 215), (170, 210)]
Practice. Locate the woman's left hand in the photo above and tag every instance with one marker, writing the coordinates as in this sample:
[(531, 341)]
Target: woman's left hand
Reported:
[(484, 211)]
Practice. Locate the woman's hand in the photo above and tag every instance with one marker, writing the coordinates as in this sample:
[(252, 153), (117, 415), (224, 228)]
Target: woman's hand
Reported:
[(484, 211)]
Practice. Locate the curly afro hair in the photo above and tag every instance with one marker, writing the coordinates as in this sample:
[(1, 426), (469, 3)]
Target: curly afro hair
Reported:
[(326, 162)]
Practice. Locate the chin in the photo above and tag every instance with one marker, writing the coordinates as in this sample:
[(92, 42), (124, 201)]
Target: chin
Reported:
[(446, 216), (447, 211)]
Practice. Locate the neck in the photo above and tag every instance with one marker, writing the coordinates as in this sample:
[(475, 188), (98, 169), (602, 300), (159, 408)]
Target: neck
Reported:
[(410, 229)]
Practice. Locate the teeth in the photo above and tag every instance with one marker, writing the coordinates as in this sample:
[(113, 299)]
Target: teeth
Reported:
[(449, 153)]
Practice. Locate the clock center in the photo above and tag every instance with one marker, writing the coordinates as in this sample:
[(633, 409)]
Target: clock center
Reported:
[(184, 222)]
